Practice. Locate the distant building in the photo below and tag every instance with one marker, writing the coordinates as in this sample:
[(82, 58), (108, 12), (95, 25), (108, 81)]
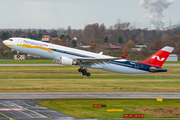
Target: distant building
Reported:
[(172, 58), (86, 47), (139, 47), (46, 38), (113, 47)]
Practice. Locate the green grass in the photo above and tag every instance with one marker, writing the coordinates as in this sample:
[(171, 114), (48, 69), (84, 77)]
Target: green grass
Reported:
[(82, 108), (27, 61), (67, 78), (43, 61), (138, 119)]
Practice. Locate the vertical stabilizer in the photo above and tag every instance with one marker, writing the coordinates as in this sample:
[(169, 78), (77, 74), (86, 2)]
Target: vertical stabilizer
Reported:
[(159, 57)]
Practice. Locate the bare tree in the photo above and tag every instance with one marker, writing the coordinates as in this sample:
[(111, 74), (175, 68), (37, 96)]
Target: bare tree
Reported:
[(94, 31), (123, 29)]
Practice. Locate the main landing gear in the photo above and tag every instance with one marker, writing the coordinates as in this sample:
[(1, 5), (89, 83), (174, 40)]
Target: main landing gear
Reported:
[(84, 71)]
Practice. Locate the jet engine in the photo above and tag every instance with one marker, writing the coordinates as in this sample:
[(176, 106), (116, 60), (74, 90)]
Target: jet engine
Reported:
[(67, 61)]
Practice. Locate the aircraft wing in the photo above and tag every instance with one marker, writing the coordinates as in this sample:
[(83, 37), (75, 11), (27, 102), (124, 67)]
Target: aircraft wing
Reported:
[(98, 60)]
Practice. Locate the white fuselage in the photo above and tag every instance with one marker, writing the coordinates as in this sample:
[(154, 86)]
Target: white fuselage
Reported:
[(54, 52)]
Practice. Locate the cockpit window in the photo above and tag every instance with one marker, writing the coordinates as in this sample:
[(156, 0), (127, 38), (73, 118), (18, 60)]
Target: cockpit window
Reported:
[(10, 39)]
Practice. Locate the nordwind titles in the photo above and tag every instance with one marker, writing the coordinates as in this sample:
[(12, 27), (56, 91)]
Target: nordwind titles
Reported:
[(26, 42)]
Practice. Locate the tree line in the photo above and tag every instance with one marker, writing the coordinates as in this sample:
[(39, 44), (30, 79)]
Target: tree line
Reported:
[(98, 35)]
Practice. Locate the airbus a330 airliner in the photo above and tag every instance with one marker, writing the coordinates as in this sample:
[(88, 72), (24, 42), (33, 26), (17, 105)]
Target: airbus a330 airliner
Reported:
[(70, 56)]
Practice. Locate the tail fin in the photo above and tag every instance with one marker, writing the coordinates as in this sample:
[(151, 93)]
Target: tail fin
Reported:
[(159, 57)]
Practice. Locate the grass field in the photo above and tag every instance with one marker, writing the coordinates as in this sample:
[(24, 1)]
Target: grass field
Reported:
[(82, 108), (66, 78), (43, 61), (27, 61)]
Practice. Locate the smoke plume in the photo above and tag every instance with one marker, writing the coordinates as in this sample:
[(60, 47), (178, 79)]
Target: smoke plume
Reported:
[(155, 9)]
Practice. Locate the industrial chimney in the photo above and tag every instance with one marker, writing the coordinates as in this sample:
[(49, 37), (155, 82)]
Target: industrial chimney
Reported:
[(161, 26)]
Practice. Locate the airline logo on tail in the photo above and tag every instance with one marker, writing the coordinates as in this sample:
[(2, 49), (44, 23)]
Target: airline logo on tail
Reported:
[(155, 56), (159, 57)]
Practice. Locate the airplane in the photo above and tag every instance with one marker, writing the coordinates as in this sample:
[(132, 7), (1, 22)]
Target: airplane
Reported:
[(70, 56)]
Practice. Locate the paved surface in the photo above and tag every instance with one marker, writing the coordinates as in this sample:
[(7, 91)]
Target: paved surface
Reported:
[(62, 95), (28, 111), (60, 65), (26, 101), (171, 65), (26, 108)]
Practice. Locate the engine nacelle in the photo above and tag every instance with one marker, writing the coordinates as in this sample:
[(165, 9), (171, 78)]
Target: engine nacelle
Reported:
[(67, 61)]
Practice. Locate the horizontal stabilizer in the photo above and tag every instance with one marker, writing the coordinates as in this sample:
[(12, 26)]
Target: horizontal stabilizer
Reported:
[(154, 69)]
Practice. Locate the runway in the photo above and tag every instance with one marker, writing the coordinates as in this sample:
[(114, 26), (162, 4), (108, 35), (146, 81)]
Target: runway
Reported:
[(21, 106), (60, 95), (28, 110), (74, 95)]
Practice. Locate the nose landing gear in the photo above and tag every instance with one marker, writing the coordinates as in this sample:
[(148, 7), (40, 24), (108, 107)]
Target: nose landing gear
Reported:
[(84, 71)]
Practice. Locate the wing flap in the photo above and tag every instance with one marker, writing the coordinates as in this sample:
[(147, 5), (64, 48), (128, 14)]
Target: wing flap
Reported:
[(96, 60)]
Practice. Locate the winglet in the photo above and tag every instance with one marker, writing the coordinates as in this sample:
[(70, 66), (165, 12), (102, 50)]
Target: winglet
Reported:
[(124, 56), (100, 53)]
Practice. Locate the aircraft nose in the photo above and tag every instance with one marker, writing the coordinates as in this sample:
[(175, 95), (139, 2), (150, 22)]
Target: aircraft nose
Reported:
[(5, 42)]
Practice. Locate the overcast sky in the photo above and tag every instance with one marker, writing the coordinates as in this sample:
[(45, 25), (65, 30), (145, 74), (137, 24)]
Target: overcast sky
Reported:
[(53, 14)]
